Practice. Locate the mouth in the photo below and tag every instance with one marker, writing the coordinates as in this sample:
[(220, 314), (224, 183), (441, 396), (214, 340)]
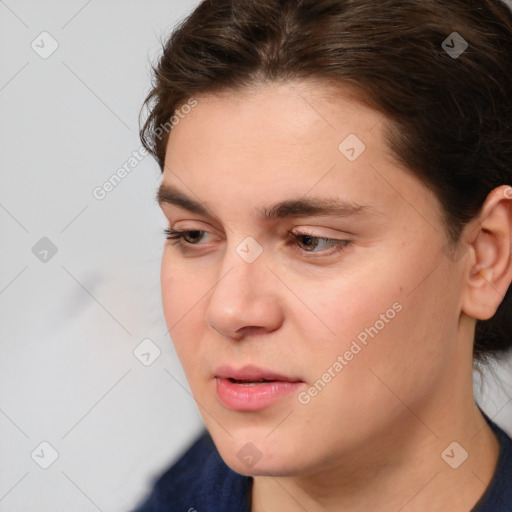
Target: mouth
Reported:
[(250, 382), (252, 374), (251, 388)]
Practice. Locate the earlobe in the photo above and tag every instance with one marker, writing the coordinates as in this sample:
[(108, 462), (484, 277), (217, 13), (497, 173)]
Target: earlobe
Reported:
[(490, 269)]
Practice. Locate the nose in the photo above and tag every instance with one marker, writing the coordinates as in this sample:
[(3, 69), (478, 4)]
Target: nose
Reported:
[(244, 301)]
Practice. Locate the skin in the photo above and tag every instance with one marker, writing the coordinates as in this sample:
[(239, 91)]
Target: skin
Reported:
[(372, 439)]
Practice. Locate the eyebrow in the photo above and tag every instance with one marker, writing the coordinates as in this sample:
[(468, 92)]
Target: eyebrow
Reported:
[(302, 207)]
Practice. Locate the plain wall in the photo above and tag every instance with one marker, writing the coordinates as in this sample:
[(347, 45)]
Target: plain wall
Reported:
[(71, 320)]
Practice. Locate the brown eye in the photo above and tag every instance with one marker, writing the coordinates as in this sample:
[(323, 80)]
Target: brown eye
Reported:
[(186, 237), (308, 243), (192, 237)]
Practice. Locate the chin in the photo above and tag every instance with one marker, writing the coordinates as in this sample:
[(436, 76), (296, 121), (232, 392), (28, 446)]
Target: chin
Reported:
[(276, 467), (252, 455)]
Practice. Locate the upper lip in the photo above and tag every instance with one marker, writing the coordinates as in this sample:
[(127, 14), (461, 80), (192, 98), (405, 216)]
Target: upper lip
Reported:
[(251, 373)]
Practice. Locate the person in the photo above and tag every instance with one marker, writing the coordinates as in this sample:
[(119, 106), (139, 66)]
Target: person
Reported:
[(336, 177)]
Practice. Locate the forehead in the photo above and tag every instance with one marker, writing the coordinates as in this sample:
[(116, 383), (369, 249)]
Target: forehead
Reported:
[(274, 131), (275, 114)]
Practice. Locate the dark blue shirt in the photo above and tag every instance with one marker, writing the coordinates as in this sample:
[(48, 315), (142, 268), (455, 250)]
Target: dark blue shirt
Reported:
[(201, 481)]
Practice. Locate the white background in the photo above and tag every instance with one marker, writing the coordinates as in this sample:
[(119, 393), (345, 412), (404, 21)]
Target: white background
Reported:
[(69, 326)]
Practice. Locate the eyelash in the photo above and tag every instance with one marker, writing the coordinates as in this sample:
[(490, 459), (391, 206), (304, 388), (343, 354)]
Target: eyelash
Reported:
[(177, 238)]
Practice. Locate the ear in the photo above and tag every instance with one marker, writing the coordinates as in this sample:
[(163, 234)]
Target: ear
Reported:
[(489, 268)]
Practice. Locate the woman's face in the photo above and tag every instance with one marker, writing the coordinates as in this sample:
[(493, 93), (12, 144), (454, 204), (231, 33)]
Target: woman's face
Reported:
[(363, 329)]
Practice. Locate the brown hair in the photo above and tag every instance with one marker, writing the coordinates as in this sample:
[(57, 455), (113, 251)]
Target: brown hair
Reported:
[(449, 113)]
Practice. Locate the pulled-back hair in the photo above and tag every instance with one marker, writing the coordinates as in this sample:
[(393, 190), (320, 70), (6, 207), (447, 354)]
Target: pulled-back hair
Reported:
[(449, 113)]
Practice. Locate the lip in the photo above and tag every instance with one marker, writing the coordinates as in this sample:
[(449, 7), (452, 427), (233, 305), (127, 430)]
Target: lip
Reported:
[(255, 396), (251, 372)]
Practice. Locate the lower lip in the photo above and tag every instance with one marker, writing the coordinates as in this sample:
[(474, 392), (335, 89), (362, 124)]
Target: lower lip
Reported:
[(253, 397)]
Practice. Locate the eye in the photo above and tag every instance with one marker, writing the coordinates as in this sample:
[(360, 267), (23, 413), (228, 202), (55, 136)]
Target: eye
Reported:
[(308, 243), (185, 239), (181, 236), (311, 242)]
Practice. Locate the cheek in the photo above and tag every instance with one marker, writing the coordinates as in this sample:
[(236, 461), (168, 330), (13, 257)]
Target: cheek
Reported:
[(407, 332), (346, 311), (384, 366), (182, 297), (182, 286), (383, 323)]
